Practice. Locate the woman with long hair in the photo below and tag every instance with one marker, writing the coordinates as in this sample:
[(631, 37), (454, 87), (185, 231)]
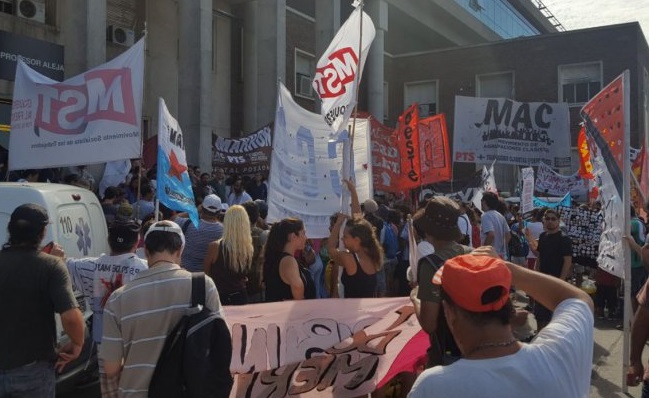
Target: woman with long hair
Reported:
[(229, 259), (362, 258), (284, 278)]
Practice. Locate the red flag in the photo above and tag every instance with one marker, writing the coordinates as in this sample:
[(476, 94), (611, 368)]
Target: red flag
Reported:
[(586, 167), (433, 150), (408, 132), (385, 157)]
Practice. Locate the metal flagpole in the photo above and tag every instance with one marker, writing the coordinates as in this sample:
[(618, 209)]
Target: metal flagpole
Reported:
[(357, 80)]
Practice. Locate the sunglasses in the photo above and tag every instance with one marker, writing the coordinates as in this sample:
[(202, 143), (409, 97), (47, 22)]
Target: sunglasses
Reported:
[(551, 219)]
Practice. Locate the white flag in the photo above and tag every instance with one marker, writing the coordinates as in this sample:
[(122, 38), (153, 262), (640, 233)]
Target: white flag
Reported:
[(94, 117), (339, 70)]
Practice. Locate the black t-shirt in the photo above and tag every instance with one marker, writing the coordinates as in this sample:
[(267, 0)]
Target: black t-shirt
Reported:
[(553, 248), (33, 286)]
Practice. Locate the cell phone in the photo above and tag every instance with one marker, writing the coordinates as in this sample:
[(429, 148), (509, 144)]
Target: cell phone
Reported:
[(48, 248)]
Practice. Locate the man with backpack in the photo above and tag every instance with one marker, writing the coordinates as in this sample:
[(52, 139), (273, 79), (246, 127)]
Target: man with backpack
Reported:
[(139, 316), (438, 221)]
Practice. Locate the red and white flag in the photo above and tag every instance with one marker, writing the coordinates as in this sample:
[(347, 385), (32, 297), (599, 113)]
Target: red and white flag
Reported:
[(338, 72)]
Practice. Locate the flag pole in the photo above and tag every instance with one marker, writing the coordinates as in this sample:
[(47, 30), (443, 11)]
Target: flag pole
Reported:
[(357, 80), (139, 172)]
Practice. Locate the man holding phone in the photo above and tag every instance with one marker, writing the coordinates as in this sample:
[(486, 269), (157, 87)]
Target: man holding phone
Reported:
[(33, 286)]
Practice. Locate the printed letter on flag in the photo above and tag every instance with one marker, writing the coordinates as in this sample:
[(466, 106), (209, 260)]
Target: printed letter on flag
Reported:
[(339, 70), (408, 130), (606, 121), (90, 118), (435, 159), (174, 186)]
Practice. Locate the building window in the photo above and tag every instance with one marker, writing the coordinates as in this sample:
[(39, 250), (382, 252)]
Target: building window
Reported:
[(495, 85), (424, 94), (578, 83), (7, 6), (304, 70)]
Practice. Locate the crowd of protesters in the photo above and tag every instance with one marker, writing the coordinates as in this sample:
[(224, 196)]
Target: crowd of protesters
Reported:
[(365, 256)]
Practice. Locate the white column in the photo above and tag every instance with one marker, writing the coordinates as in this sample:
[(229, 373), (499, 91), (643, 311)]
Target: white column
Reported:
[(327, 23)]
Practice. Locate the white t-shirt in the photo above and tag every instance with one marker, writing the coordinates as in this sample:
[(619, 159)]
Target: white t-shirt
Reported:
[(535, 229), (492, 221), (464, 224), (556, 364), (98, 277)]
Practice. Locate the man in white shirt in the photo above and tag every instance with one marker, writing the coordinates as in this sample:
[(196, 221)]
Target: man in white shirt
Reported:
[(533, 231), (494, 229), (475, 297), (238, 196)]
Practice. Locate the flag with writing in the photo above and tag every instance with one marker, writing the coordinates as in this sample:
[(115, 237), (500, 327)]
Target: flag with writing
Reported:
[(338, 72), (585, 165), (408, 141), (435, 158), (174, 186), (606, 120), (93, 117)]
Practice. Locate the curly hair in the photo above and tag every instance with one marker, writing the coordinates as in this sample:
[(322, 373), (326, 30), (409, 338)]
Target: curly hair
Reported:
[(358, 227)]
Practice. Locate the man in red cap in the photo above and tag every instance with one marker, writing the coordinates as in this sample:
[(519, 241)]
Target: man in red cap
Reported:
[(475, 297)]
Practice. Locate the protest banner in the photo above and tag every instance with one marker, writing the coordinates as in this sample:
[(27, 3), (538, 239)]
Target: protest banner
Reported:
[(521, 133), (245, 156), (434, 156), (386, 166), (565, 201), (549, 182), (338, 72), (91, 118), (174, 188), (408, 142), (585, 165), (305, 175), (488, 184), (584, 227), (611, 167), (322, 348), (527, 202)]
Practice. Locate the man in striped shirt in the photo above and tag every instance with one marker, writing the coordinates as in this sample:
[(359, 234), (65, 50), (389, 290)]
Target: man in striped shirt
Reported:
[(139, 316)]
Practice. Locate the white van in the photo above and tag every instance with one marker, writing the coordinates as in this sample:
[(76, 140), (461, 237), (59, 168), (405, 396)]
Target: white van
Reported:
[(77, 221)]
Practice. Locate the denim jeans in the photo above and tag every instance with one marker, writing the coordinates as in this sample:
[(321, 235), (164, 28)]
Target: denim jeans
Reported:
[(35, 379), (645, 389)]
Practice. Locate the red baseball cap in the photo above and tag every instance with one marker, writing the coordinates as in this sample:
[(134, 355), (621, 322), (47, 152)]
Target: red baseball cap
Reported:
[(467, 277)]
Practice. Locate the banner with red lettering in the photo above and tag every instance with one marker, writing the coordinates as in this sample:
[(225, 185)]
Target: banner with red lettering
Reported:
[(338, 72), (434, 155), (91, 118), (322, 348), (408, 134), (386, 165)]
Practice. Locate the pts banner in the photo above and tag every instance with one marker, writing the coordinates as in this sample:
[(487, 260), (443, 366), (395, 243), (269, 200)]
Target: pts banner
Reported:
[(510, 132), (245, 156)]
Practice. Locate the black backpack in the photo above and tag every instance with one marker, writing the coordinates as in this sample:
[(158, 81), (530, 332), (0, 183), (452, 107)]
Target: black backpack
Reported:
[(517, 246), (195, 360)]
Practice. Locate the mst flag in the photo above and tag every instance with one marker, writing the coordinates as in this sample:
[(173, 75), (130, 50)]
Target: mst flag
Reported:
[(607, 126), (339, 70), (174, 186), (91, 118)]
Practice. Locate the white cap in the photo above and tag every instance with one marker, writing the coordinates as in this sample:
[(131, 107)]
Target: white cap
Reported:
[(212, 204), (166, 226)]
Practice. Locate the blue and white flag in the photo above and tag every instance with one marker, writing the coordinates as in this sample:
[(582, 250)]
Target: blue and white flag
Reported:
[(174, 186), (566, 201), (306, 167)]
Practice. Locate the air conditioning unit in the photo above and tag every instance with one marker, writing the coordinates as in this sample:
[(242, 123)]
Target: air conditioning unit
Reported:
[(31, 9), (304, 86), (121, 36)]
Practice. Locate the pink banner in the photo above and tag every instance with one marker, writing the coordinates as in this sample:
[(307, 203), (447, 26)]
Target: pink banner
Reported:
[(322, 348)]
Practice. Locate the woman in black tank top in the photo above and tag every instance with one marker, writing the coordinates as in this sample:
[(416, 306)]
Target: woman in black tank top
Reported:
[(283, 276), (362, 259)]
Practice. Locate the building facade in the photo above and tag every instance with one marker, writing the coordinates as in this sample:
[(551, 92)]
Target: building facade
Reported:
[(217, 63)]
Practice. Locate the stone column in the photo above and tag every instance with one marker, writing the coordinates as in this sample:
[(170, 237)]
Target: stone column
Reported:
[(264, 59), (374, 68), (83, 26), (327, 23), (195, 80)]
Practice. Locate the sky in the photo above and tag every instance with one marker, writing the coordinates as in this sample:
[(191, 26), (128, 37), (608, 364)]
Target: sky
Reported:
[(577, 14)]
